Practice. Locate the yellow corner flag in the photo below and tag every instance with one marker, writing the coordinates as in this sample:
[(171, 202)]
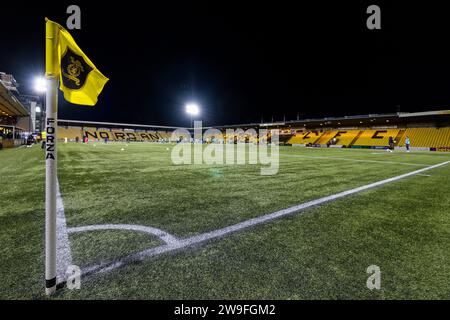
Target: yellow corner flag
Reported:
[(80, 81)]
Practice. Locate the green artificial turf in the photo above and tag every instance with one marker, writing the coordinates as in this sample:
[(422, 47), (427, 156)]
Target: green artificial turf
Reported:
[(403, 227)]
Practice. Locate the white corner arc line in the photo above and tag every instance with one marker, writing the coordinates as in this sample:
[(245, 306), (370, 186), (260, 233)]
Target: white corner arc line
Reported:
[(163, 235), (64, 254), (216, 234)]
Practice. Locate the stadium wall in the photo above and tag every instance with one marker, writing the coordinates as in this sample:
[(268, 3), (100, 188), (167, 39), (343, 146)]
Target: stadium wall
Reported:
[(100, 134)]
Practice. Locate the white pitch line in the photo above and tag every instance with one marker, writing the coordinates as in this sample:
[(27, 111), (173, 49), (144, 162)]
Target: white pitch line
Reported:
[(64, 255), (165, 236), (356, 160), (219, 233)]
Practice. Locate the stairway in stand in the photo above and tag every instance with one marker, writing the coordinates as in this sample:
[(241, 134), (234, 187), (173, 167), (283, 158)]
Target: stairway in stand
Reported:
[(355, 139), (399, 137)]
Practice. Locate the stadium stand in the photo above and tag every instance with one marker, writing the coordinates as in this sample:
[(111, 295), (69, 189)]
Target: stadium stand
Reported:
[(166, 135), (326, 137), (346, 137), (427, 137), (117, 135), (93, 134), (305, 137), (420, 137), (376, 138), (15, 121), (426, 130), (71, 133)]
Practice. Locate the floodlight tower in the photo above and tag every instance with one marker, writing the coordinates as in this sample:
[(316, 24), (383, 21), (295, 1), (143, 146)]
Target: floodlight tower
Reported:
[(40, 87)]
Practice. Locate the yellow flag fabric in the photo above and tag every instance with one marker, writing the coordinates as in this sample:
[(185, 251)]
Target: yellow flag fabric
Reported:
[(80, 81)]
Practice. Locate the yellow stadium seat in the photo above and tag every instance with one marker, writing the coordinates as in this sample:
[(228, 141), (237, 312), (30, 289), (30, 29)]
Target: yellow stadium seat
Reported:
[(71, 133), (376, 138), (427, 137), (345, 137), (327, 136), (306, 137)]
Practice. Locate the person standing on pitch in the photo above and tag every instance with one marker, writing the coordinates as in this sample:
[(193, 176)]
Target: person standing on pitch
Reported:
[(391, 144), (407, 143)]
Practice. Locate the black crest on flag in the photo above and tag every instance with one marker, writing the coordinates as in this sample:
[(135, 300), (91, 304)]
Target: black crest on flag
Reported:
[(74, 70)]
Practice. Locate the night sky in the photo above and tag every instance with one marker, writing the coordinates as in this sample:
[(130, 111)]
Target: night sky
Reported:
[(241, 63)]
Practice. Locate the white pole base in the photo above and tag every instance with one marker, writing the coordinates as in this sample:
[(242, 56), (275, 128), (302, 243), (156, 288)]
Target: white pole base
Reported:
[(50, 291)]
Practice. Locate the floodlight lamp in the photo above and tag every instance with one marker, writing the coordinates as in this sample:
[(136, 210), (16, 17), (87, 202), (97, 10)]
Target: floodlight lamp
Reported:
[(40, 84), (192, 109)]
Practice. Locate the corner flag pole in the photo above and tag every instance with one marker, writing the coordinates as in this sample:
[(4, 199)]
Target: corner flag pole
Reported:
[(52, 75)]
